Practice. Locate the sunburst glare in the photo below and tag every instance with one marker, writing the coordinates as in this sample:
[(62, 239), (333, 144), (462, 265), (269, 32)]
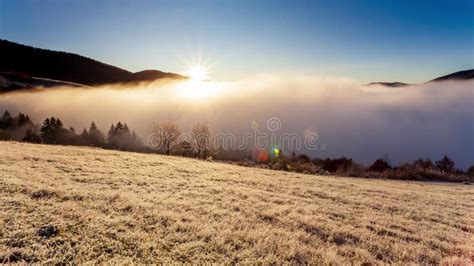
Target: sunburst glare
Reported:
[(198, 73)]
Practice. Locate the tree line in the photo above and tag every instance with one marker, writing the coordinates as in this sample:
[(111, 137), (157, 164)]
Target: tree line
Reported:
[(164, 138), (53, 131), (443, 169), (167, 138)]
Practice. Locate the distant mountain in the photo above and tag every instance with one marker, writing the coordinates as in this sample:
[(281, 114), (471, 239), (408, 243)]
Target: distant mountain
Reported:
[(11, 81), (460, 75), (147, 75), (389, 84), (62, 66)]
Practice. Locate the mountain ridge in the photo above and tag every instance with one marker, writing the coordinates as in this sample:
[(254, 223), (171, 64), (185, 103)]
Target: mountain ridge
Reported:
[(389, 84), (69, 67), (459, 75), (24, 66)]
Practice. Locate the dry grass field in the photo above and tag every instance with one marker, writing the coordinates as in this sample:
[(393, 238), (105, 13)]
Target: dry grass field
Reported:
[(72, 204)]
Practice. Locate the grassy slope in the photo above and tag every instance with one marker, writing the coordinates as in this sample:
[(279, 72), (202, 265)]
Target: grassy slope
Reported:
[(109, 205)]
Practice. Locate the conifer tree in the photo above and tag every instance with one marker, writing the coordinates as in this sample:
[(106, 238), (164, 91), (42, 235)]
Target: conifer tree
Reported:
[(96, 137), (46, 131), (6, 121)]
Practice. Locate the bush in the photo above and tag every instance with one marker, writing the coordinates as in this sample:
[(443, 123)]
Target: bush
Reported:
[(306, 168), (300, 158), (281, 163), (380, 165), (423, 164), (355, 170), (4, 135), (470, 171), (445, 165), (31, 136), (339, 165)]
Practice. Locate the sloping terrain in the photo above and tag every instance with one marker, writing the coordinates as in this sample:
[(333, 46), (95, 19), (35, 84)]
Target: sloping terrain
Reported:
[(72, 204), (69, 67), (460, 75), (457, 76), (13, 82)]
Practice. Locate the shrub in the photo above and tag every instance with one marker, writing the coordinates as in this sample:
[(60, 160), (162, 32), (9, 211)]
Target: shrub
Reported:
[(470, 171), (281, 163), (337, 165), (303, 158), (445, 165), (380, 165), (31, 136), (306, 168), (4, 135), (423, 164)]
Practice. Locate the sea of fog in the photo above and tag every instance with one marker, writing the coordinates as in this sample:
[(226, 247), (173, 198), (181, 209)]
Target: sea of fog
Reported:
[(365, 123)]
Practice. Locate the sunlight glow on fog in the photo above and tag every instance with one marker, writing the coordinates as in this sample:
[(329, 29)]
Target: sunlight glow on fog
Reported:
[(364, 123)]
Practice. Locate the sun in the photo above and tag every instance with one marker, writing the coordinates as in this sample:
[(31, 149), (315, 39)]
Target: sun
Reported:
[(199, 87), (198, 73)]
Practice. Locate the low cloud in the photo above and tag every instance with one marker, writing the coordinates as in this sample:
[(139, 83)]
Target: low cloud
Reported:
[(365, 123)]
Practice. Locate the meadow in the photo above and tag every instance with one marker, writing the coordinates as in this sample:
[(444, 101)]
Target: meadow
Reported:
[(64, 204)]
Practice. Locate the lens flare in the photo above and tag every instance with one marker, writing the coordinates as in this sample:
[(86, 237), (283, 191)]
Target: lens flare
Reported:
[(276, 151)]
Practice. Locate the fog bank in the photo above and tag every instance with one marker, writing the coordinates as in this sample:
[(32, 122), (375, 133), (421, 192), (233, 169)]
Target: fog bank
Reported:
[(365, 123)]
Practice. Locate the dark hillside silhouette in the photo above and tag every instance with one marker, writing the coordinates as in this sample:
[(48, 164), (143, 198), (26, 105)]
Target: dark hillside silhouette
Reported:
[(389, 84), (69, 67), (147, 75), (12, 81), (460, 75)]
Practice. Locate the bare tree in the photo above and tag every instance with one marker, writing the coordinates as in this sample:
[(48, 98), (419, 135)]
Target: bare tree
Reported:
[(201, 136), (166, 135)]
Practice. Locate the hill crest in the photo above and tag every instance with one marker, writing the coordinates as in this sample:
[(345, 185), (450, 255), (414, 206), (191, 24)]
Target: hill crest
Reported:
[(460, 75), (69, 67)]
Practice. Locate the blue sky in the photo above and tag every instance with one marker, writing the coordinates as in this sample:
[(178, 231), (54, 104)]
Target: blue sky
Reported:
[(368, 40)]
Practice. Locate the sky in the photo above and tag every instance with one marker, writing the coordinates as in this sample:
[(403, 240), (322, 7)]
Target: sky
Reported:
[(366, 40)]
